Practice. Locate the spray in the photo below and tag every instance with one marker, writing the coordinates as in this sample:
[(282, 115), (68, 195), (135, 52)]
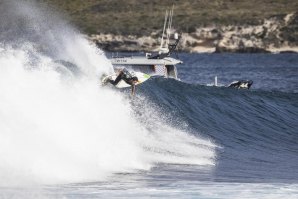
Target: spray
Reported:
[(59, 126)]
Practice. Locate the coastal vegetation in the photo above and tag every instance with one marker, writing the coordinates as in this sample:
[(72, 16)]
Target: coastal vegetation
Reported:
[(206, 25), (142, 17)]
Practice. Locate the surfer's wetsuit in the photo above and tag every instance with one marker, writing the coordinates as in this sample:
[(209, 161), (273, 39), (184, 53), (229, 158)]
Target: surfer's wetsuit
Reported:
[(127, 77), (246, 84)]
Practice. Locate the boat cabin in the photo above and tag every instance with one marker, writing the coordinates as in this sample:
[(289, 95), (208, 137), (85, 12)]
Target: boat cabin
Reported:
[(155, 67)]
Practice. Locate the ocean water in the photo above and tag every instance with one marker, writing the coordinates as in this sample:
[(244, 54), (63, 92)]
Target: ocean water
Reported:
[(62, 135), (270, 72)]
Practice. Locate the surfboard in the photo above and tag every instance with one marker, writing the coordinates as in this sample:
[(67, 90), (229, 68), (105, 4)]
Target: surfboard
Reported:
[(142, 77)]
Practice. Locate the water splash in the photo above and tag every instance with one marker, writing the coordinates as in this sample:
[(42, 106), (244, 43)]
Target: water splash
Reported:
[(60, 127)]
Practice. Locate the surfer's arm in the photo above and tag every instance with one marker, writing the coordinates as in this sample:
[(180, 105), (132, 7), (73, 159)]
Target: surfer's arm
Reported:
[(133, 89)]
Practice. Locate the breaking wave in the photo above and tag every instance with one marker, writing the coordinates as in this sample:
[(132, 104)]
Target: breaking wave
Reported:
[(58, 125)]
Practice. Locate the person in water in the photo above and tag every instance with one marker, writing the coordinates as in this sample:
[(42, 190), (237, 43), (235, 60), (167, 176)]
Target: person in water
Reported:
[(241, 84), (126, 76)]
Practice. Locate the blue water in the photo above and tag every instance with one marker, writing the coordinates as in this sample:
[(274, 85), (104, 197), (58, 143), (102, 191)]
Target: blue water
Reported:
[(257, 128), (271, 72)]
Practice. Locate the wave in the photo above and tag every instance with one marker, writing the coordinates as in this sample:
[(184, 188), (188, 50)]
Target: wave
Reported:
[(58, 125), (256, 129)]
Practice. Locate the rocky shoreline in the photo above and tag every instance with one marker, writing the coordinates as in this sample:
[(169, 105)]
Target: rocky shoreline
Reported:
[(276, 34)]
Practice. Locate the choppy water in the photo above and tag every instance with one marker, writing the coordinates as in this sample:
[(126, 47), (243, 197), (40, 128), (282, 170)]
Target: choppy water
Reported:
[(64, 136)]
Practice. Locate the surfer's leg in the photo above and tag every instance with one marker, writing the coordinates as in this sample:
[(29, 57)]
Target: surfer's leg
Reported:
[(111, 81), (119, 77)]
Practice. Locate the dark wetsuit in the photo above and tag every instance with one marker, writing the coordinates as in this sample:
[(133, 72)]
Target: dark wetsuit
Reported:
[(128, 78), (125, 76), (241, 84)]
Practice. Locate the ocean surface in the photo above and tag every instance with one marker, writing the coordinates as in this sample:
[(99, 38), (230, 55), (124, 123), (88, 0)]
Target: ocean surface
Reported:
[(63, 135)]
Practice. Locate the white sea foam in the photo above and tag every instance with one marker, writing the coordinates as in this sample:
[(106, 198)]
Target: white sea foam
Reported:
[(61, 127)]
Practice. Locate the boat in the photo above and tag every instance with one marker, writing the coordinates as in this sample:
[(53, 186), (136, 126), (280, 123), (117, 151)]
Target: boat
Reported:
[(160, 63)]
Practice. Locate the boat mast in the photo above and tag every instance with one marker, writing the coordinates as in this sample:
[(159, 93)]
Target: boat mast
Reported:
[(169, 30), (164, 28), (166, 48)]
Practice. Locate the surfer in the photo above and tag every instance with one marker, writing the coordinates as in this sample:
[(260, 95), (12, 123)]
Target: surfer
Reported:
[(126, 76), (246, 84)]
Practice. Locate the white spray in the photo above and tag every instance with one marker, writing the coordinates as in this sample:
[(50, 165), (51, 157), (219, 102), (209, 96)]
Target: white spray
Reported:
[(59, 127)]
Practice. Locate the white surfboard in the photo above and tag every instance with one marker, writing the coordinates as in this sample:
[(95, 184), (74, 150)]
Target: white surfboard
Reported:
[(142, 77)]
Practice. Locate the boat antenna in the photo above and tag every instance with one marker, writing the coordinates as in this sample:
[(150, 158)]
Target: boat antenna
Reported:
[(170, 25), (164, 27)]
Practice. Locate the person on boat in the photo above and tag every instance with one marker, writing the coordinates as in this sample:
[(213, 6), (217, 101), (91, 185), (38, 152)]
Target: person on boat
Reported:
[(126, 76)]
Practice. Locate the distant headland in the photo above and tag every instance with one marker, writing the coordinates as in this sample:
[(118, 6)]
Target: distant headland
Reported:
[(268, 26)]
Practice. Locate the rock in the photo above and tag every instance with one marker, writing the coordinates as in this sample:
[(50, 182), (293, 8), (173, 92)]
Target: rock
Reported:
[(276, 34)]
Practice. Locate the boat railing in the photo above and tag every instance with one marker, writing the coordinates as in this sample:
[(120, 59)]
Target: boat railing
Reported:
[(121, 56)]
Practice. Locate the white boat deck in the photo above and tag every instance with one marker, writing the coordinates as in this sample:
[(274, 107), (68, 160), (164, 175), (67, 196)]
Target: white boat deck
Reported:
[(139, 60)]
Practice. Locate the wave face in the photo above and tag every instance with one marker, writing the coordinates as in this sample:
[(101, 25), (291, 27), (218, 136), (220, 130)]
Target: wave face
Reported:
[(256, 130), (58, 125)]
